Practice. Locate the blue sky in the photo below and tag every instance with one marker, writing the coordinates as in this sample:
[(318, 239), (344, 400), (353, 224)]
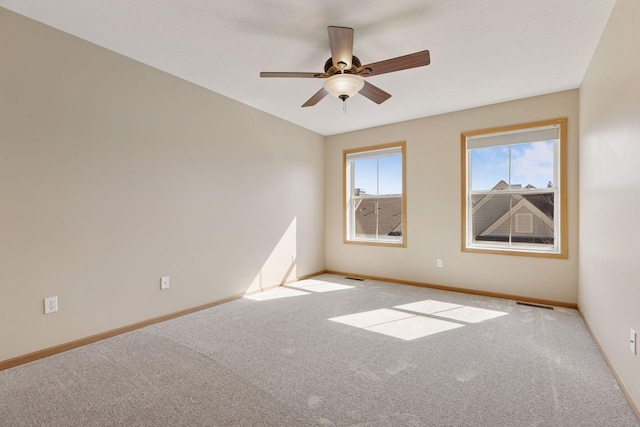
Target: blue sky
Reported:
[(390, 169), (531, 163)]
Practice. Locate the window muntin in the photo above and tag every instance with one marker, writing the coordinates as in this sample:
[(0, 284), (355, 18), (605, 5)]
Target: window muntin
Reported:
[(514, 193), (374, 195)]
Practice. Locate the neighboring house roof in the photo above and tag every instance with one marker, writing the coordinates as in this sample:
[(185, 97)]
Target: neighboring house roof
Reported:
[(544, 202), (525, 218), (388, 219)]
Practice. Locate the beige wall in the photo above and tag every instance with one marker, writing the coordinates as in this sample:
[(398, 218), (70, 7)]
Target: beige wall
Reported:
[(610, 192), (433, 206), (113, 174)]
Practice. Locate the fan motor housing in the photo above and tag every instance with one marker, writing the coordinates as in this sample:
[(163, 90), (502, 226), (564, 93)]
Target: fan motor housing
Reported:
[(331, 69)]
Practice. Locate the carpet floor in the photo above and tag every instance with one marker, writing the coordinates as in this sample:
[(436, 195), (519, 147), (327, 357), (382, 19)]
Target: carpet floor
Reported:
[(331, 351)]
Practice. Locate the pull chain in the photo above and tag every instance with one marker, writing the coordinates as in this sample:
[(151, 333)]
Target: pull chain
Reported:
[(344, 102)]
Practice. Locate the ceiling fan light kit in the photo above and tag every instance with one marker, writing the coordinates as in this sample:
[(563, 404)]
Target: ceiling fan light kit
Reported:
[(343, 86), (344, 73)]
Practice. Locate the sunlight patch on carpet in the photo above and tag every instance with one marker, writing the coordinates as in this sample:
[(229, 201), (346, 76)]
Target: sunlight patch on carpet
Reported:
[(428, 306), (417, 319), (471, 314), (371, 318), (414, 327), (462, 313), (319, 286), (276, 294)]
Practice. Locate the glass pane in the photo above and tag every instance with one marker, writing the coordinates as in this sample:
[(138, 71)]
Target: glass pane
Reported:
[(490, 219), (532, 164), (379, 218), (489, 167), (533, 219), (366, 176), (521, 219), (390, 174), (366, 220)]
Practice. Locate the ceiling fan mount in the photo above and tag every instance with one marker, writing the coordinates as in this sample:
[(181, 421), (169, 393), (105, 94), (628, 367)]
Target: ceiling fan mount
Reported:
[(330, 69), (344, 72)]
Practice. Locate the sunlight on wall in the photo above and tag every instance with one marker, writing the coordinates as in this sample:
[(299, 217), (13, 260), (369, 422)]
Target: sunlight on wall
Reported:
[(408, 326), (280, 266)]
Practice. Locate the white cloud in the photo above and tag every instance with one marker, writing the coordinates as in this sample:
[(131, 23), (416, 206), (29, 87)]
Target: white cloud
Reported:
[(532, 164)]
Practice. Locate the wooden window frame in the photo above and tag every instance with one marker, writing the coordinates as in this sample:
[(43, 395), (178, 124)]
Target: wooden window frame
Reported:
[(346, 186), (561, 235)]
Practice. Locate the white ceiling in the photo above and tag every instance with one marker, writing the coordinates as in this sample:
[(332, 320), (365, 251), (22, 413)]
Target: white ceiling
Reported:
[(482, 52)]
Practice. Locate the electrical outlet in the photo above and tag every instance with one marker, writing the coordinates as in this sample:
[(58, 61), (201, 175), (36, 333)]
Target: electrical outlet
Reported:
[(164, 282), (50, 305), (439, 263), (632, 341)]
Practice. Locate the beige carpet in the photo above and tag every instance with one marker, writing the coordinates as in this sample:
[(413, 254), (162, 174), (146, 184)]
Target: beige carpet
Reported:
[(331, 351)]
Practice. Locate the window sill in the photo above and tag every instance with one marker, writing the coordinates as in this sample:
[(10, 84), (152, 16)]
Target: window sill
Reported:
[(376, 243), (515, 252)]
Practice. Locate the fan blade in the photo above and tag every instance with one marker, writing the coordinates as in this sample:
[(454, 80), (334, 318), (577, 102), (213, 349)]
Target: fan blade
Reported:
[(418, 59), (316, 98), (341, 42), (374, 93), (300, 75)]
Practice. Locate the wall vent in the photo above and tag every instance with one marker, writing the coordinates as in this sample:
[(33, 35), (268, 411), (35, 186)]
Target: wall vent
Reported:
[(530, 304), (354, 278)]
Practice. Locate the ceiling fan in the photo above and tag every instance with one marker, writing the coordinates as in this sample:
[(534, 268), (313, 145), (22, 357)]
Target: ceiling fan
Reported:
[(344, 73)]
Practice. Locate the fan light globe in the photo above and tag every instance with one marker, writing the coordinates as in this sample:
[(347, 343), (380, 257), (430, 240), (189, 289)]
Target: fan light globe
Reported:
[(343, 85)]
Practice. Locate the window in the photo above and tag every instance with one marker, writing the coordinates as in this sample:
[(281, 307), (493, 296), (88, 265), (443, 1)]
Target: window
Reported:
[(514, 190), (374, 183)]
